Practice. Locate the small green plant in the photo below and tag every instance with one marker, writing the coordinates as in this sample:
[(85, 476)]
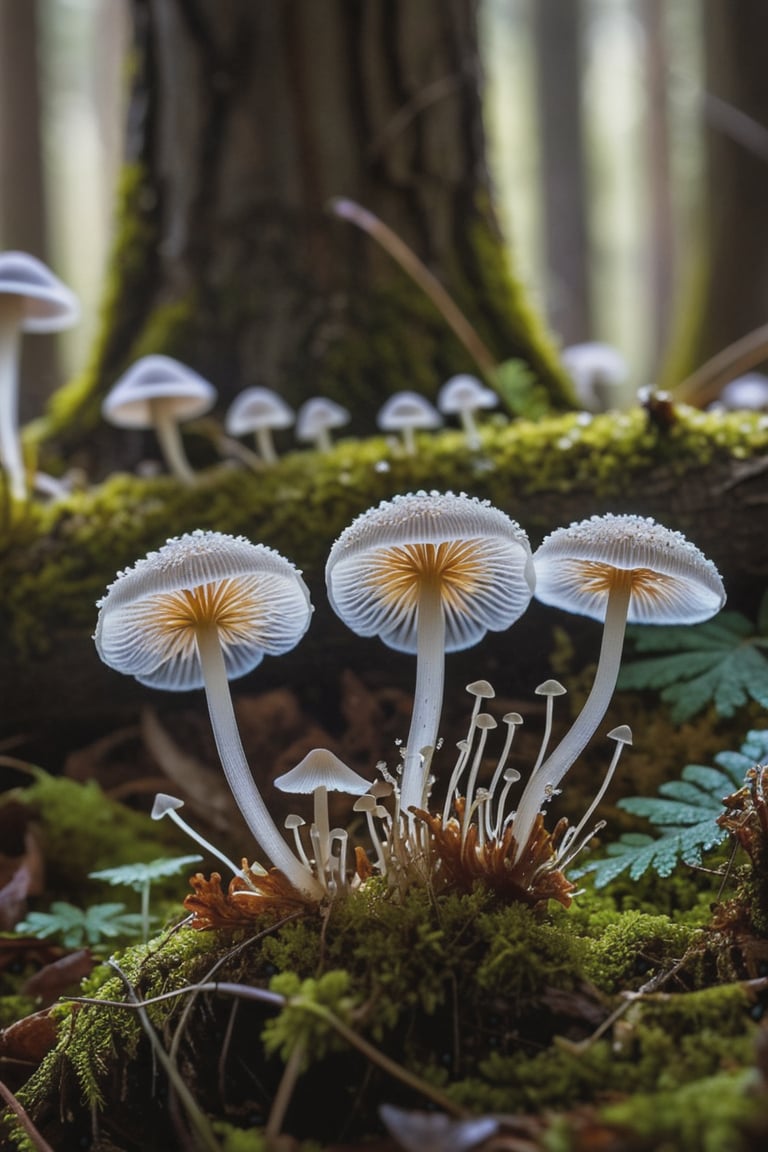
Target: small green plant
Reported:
[(684, 813), (75, 927), (141, 876), (720, 662)]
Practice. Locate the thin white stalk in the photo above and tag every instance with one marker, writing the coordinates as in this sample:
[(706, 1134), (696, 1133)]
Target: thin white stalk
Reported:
[(204, 844), (236, 768), (409, 440), (468, 805), (572, 836), (551, 772), (323, 441), (511, 776), (323, 828), (543, 690), (10, 442), (339, 863), (428, 696), (265, 445), (501, 764), (169, 439), (471, 433)]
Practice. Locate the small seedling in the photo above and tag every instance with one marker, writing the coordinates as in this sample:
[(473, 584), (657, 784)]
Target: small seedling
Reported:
[(141, 876), (76, 927)]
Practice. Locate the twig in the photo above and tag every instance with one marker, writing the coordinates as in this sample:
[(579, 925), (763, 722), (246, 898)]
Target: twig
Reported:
[(704, 385), (408, 260), (22, 1116)]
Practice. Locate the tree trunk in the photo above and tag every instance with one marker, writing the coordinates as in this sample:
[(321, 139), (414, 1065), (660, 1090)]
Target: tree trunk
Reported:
[(22, 199), (245, 119), (729, 301), (558, 44)]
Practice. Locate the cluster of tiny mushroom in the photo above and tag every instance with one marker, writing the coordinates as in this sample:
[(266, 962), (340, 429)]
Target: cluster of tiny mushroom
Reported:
[(428, 573)]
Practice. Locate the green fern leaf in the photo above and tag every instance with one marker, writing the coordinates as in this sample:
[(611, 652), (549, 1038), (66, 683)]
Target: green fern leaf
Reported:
[(685, 813), (137, 875), (719, 662)]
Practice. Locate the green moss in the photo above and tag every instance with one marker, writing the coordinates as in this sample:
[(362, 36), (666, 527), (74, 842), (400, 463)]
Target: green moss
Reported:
[(83, 830), (709, 1115), (58, 559), (631, 947)]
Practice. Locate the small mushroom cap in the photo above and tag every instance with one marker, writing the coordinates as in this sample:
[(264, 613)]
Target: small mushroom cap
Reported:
[(480, 557), (321, 768), (149, 618), (155, 378), (317, 414), (747, 392), (48, 305), (672, 582), (465, 394), (164, 803), (256, 408), (407, 410)]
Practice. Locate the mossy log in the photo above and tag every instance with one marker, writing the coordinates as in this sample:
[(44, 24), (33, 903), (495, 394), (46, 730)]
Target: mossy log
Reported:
[(705, 475)]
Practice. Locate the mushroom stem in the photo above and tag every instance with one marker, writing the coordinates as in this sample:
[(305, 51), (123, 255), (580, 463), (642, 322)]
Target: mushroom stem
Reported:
[(323, 826), (551, 772), (265, 445), (169, 439), (428, 696), (10, 444), (236, 769)]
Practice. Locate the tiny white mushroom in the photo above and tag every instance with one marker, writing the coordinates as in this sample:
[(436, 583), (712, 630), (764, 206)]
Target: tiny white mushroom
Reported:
[(599, 373), (32, 299), (318, 773), (749, 392), (464, 396), (315, 420), (166, 805), (204, 609), (260, 412), (405, 412), (159, 392)]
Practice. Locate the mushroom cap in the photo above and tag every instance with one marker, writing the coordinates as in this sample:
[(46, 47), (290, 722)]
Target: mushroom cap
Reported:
[(257, 408), (591, 362), (672, 580), (465, 394), (407, 410), (149, 617), (748, 392), (317, 414), (322, 768), (48, 305), (152, 378), (481, 558)]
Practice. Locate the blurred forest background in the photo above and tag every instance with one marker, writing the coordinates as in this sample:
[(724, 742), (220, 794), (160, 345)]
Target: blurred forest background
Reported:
[(627, 142)]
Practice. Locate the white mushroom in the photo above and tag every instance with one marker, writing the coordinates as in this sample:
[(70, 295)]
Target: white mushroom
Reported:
[(599, 373), (405, 412), (159, 392), (259, 411), (615, 569), (202, 610), (317, 774), (464, 396), (429, 573), (315, 420), (32, 299)]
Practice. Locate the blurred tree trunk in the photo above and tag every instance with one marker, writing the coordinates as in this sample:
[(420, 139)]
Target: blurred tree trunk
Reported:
[(558, 58), (245, 119), (22, 200), (732, 293), (661, 246)]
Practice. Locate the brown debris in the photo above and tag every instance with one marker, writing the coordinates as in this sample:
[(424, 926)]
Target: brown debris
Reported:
[(246, 899), (530, 880)]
